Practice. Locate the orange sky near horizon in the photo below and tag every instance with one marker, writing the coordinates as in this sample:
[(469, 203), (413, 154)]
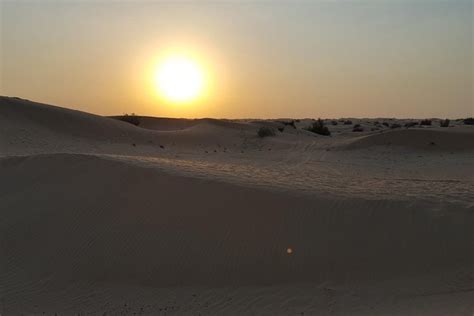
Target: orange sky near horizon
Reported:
[(260, 59)]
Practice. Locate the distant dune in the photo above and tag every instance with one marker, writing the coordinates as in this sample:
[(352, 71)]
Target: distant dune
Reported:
[(189, 217), (443, 139)]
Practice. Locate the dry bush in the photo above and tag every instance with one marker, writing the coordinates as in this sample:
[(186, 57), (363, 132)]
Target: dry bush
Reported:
[(289, 123), (425, 122), (411, 124), (265, 131), (132, 119), (469, 121), (319, 128), (444, 123)]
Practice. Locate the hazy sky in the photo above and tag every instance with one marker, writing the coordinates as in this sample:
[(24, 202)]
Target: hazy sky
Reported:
[(266, 59)]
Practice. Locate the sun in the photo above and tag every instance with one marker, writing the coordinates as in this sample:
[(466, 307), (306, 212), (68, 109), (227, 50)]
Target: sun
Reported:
[(179, 79)]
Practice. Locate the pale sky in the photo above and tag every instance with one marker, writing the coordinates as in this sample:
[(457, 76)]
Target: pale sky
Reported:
[(263, 59)]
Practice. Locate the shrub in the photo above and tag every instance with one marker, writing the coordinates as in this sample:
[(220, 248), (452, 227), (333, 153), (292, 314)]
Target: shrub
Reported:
[(444, 123), (281, 129), (334, 122), (265, 131), (395, 125), (347, 122), (385, 124), (469, 121), (290, 123), (132, 119), (411, 124), (425, 122), (357, 128), (319, 128)]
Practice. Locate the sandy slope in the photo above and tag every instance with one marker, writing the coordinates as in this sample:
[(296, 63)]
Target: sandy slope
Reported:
[(440, 139), (195, 217)]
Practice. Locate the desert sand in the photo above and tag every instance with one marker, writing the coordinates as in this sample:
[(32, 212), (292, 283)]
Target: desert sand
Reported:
[(203, 217)]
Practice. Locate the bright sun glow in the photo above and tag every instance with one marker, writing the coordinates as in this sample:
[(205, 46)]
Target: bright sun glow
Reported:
[(179, 79)]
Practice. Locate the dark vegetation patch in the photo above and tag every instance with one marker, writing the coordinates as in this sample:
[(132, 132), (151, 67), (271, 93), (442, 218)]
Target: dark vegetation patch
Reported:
[(289, 123), (444, 123), (265, 132), (357, 128), (319, 128), (395, 125), (347, 122), (411, 124), (469, 121), (425, 122), (129, 118)]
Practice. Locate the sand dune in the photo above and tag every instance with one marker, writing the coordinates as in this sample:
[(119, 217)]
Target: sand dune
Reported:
[(92, 224), (173, 124), (37, 117), (442, 139)]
